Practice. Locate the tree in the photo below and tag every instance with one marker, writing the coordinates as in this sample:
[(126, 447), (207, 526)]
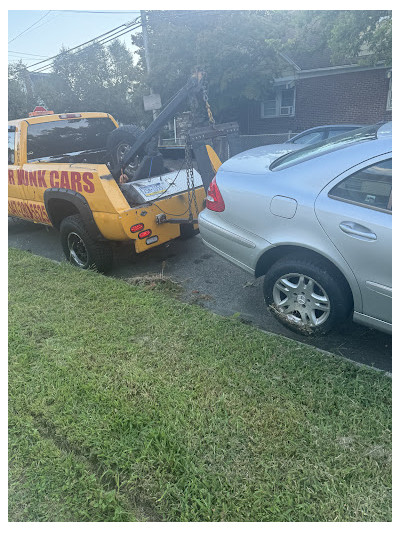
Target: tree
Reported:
[(20, 92), (239, 49), (96, 78), (236, 49), (363, 37)]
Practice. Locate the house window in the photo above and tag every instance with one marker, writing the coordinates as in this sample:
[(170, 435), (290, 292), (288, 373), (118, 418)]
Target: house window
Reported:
[(389, 98), (279, 104)]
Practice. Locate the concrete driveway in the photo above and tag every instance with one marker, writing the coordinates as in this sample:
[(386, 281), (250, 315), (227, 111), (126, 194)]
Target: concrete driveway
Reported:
[(213, 282)]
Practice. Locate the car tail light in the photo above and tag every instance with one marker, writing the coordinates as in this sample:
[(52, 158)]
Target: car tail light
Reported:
[(144, 234), (214, 200)]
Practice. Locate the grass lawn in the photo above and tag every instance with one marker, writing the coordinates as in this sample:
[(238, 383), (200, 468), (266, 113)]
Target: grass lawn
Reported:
[(127, 405)]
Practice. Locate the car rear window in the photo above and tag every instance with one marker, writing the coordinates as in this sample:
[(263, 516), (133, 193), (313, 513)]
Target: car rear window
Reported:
[(309, 152), (62, 137)]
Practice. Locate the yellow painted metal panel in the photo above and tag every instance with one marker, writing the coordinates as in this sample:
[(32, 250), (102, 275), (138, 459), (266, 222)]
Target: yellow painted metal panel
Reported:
[(214, 159), (175, 207)]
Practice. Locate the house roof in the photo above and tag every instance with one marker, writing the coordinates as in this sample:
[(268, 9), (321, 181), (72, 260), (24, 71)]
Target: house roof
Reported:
[(318, 63), (317, 59)]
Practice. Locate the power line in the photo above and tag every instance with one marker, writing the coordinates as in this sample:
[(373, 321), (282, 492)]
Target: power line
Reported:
[(96, 42), (97, 12), (103, 35), (24, 53), (109, 36), (101, 42), (34, 24)]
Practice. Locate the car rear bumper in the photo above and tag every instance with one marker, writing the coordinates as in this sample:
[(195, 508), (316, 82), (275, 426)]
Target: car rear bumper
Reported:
[(235, 244)]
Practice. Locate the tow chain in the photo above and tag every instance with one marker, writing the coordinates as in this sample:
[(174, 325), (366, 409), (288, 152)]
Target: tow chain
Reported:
[(205, 98), (190, 179), (189, 160)]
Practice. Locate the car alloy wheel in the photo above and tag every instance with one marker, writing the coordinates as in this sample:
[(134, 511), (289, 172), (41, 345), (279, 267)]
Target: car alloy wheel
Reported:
[(301, 299), (307, 294)]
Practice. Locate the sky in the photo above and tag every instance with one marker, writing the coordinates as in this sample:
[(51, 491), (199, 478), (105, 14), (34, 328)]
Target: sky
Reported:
[(35, 35)]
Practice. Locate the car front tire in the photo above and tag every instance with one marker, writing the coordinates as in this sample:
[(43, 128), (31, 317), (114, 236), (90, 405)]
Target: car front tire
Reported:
[(306, 296)]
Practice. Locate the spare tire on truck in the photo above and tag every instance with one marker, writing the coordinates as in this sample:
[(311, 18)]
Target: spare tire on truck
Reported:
[(119, 142)]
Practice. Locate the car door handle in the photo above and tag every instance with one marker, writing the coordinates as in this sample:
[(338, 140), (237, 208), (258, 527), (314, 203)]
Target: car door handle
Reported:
[(352, 228)]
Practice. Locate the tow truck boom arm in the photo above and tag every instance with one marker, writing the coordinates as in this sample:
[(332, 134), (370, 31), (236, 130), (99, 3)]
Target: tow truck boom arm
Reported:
[(193, 86)]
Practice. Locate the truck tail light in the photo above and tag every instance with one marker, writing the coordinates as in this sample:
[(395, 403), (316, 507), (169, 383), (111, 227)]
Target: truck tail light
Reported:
[(136, 227), (214, 200), (144, 234)]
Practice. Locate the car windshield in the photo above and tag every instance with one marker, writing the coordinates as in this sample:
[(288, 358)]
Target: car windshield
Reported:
[(334, 143)]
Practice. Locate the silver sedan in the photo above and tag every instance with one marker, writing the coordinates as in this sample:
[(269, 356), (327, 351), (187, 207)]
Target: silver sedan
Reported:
[(316, 223)]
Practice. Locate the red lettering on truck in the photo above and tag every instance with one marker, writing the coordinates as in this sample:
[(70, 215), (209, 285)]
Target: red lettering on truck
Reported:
[(89, 185), (64, 182), (53, 177), (41, 180), (76, 184)]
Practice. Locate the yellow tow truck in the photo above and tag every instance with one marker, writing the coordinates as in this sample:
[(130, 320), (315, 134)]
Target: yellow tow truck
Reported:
[(98, 183)]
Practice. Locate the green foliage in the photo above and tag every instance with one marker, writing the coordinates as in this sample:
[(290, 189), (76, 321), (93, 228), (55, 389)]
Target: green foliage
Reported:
[(126, 404), (368, 33), (20, 94), (99, 78), (356, 36), (237, 49)]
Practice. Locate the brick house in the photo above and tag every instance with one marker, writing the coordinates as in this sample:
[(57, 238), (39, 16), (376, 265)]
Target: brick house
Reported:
[(313, 91)]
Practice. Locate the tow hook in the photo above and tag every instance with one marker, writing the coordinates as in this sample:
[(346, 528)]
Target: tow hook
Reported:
[(162, 219)]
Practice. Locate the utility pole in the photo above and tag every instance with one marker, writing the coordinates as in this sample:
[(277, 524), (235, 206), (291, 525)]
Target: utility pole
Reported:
[(146, 51)]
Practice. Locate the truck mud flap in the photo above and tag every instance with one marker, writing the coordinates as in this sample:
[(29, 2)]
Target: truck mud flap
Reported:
[(224, 139)]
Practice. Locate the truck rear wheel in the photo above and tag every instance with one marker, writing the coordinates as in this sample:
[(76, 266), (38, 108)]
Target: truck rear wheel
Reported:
[(81, 249), (119, 142)]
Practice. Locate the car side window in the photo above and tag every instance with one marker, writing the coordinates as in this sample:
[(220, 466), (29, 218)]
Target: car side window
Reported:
[(333, 133), (370, 187), (11, 147), (310, 138)]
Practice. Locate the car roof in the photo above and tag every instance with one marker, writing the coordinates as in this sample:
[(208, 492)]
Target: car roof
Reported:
[(325, 128), (377, 132), (258, 161), (332, 127)]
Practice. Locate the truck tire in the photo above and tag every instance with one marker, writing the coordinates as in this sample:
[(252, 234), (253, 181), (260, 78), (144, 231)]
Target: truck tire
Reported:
[(81, 249), (119, 142)]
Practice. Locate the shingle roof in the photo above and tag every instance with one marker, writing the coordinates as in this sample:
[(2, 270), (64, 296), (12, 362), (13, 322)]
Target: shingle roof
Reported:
[(317, 59)]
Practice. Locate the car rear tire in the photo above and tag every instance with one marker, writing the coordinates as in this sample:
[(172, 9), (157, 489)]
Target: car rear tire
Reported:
[(81, 249), (119, 142), (307, 297)]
